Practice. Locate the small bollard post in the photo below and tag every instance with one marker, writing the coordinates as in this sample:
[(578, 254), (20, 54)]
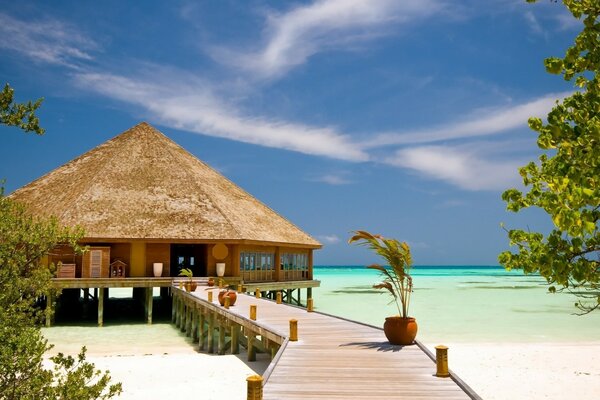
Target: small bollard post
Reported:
[(310, 305), (253, 312), (257, 293), (279, 297), (293, 330), (240, 289), (210, 297), (226, 302), (220, 283), (255, 390), (441, 358)]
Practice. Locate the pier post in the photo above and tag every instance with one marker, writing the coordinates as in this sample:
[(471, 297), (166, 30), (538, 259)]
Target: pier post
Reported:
[(173, 308), (235, 338), (49, 310), (211, 332), (149, 303), (293, 330), (188, 322), (100, 306), (195, 318), (255, 387), (309, 292), (221, 345), (278, 297), (253, 312), (289, 296), (251, 348), (441, 359), (201, 336), (310, 306), (257, 293)]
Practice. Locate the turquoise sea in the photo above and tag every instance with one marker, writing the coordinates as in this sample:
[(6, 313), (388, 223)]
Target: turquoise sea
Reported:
[(461, 304)]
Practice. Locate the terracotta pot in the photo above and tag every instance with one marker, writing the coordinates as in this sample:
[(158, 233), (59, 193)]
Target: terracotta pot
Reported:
[(229, 293), (190, 286), (211, 282), (400, 330)]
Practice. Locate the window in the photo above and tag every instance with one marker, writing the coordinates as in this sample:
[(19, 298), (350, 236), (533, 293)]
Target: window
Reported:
[(294, 266), (257, 266)]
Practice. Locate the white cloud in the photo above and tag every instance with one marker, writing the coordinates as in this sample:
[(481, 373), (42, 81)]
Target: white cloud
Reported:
[(329, 239), (191, 106), (465, 167), (479, 123), (332, 179), (292, 37), (49, 40), (534, 24)]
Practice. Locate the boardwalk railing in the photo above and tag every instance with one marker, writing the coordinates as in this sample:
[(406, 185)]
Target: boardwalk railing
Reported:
[(332, 358)]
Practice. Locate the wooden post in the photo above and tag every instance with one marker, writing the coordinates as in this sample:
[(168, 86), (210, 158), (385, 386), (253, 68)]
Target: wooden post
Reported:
[(257, 293), (49, 308), (235, 338), (293, 330), (221, 346), (173, 308), (240, 288), (255, 387), (188, 321), (201, 336), (210, 297), (100, 306), (226, 302), (279, 297), (195, 318), (251, 348), (289, 296), (441, 358), (149, 303), (211, 332), (183, 315), (253, 312), (310, 305), (309, 292)]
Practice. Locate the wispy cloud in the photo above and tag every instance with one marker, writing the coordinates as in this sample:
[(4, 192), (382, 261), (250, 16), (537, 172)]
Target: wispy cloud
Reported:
[(332, 179), (47, 40), (193, 107), (534, 24), (483, 122), (329, 239), (468, 167), (291, 38)]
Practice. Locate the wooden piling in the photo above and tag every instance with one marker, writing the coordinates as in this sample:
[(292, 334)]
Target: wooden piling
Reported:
[(279, 297), (253, 312), (100, 306), (255, 387), (293, 330)]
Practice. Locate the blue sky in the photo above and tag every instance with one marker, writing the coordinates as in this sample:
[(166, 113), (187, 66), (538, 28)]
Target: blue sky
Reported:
[(405, 118)]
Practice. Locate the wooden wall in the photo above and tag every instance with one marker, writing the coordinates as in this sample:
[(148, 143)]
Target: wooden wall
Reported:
[(138, 259), (158, 252)]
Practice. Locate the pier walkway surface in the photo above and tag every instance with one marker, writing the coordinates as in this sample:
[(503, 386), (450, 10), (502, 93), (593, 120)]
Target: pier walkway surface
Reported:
[(333, 358)]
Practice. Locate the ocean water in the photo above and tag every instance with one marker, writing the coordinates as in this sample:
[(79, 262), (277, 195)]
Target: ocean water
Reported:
[(461, 304)]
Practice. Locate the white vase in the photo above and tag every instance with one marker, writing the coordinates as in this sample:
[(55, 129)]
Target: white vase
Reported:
[(220, 269), (157, 267)]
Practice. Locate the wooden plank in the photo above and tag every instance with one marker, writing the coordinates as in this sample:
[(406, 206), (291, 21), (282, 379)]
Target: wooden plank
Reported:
[(327, 366)]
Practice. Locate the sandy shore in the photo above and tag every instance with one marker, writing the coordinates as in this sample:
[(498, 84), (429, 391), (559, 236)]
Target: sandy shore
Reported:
[(528, 370), (156, 361)]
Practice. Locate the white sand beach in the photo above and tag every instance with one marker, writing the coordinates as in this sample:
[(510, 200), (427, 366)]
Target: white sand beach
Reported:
[(156, 361), (503, 371)]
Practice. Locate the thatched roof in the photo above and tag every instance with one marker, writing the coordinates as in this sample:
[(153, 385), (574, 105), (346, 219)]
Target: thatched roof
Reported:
[(142, 185)]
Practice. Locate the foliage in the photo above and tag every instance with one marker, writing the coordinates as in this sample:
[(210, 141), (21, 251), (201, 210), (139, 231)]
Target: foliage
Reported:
[(566, 182), (19, 115), (24, 279), (397, 280), (187, 273)]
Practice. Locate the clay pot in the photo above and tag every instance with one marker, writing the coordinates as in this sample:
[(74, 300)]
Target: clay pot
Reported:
[(400, 330), (229, 293), (211, 282), (190, 286)]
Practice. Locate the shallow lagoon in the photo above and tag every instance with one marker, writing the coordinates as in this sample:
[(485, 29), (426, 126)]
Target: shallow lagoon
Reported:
[(461, 304)]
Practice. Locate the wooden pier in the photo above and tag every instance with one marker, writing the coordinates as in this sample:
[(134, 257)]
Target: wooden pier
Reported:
[(332, 358)]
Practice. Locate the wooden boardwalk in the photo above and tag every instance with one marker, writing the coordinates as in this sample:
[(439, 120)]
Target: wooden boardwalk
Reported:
[(333, 358)]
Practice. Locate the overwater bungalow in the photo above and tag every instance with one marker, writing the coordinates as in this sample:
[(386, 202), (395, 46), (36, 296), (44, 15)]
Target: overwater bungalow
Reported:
[(144, 201)]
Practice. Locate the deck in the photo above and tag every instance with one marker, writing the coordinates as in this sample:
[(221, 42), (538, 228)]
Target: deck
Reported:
[(333, 358)]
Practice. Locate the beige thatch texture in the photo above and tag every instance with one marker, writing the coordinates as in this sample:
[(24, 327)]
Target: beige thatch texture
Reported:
[(142, 185)]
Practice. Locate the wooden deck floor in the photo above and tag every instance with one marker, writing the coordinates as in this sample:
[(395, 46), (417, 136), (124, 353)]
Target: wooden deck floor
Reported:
[(340, 359)]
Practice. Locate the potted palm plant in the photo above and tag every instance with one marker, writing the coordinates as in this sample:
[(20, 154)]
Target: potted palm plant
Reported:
[(190, 286), (399, 329)]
